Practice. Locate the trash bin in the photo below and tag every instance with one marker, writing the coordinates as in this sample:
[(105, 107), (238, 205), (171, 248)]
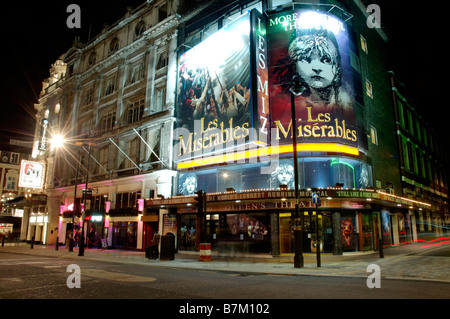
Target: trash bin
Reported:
[(167, 248)]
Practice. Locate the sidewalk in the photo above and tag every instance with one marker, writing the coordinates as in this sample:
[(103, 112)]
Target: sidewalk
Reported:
[(402, 262)]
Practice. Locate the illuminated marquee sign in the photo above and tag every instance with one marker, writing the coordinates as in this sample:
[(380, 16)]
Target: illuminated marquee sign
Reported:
[(263, 199), (214, 106), (316, 46), (31, 174), (233, 90), (307, 20), (261, 64)]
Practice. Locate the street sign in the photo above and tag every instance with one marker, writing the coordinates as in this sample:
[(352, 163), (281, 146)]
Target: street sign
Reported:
[(315, 198), (87, 193)]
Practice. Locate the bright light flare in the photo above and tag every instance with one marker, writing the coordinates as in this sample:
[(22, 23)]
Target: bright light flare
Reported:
[(57, 141)]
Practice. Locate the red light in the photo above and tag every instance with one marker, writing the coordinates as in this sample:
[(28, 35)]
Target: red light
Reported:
[(423, 241), (437, 244)]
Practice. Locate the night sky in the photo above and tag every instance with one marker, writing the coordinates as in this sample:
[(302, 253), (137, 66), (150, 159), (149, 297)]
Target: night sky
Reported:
[(35, 34)]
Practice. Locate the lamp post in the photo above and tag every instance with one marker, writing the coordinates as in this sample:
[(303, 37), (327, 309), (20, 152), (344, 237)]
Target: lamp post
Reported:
[(57, 142), (296, 89), (74, 210), (81, 250)]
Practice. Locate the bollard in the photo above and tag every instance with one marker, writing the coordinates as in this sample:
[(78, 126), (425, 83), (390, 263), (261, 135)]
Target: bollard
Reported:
[(32, 242), (57, 243), (205, 252), (3, 241)]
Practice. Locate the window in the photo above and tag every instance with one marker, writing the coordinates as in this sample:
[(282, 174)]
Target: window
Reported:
[(113, 45), (401, 116), (364, 45), (373, 135), (160, 99), (369, 91), (418, 130), (71, 70), (410, 121), (405, 152), (415, 159), (137, 73), (89, 97), (135, 111), (14, 159), (108, 121), (11, 184), (162, 13), (139, 30), (131, 151), (103, 157), (110, 86), (154, 145), (125, 200), (429, 172), (425, 137), (92, 59), (422, 165), (98, 202), (354, 62), (163, 61)]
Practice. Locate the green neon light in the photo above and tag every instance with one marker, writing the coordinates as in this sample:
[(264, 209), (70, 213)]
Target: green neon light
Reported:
[(336, 161)]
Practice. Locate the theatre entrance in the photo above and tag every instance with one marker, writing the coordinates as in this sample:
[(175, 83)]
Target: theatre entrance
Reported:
[(309, 232)]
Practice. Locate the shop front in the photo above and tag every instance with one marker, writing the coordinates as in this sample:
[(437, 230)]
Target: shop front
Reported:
[(261, 222), (122, 230), (94, 228), (37, 228), (28, 218), (230, 231)]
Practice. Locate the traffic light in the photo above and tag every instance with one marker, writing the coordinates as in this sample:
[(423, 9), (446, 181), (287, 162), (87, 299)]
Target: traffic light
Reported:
[(199, 199), (200, 234)]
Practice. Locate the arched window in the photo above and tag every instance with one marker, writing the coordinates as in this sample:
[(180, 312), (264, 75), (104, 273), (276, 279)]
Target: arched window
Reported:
[(140, 29), (92, 59), (114, 45)]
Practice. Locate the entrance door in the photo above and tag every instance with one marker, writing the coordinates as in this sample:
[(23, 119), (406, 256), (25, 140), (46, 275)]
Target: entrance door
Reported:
[(120, 234), (286, 234), (212, 229), (150, 228)]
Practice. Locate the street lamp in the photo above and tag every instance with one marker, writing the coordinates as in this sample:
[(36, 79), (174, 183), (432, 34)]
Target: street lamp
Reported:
[(57, 141), (81, 249), (75, 206), (296, 89)]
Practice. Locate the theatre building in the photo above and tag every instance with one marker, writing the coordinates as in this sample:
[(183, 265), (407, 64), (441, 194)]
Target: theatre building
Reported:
[(238, 109), (178, 97)]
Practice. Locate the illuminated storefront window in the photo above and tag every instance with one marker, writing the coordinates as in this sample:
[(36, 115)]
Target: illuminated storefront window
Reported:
[(319, 172)]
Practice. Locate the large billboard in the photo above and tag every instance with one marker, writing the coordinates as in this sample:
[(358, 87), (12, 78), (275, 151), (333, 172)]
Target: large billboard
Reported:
[(317, 47), (214, 109), (234, 90)]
